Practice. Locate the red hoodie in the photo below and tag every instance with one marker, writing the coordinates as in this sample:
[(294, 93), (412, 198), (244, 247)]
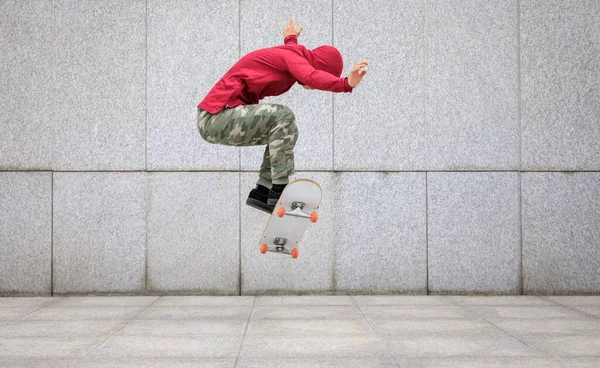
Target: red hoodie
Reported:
[(273, 71)]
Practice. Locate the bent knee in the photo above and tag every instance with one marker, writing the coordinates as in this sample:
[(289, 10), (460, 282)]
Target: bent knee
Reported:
[(293, 135), (288, 115)]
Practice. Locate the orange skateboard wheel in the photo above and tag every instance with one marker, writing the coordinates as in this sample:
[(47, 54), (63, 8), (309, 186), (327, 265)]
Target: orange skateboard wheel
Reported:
[(280, 211), (263, 248), (314, 217), (295, 253)]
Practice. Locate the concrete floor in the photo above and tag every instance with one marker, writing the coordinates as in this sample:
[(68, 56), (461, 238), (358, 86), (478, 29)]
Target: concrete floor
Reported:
[(300, 331)]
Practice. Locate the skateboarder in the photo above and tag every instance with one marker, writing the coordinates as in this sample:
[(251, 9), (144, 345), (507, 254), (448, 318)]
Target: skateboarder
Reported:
[(230, 113)]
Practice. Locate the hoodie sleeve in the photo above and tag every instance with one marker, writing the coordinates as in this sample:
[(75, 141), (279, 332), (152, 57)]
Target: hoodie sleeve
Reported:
[(306, 74)]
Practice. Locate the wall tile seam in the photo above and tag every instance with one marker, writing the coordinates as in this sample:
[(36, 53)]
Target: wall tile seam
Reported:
[(333, 94), (146, 87), (147, 206), (240, 279), (301, 171), (307, 170), (334, 286), (148, 189), (304, 171), (53, 102), (425, 99), (519, 108), (426, 234), (52, 234), (520, 193), (334, 239), (239, 286), (525, 171), (519, 122)]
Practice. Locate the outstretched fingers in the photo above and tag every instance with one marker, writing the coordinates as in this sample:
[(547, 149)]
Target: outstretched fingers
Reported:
[(361, 64)]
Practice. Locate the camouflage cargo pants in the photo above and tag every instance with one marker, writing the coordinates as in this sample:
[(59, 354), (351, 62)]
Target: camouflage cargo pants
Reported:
[(252, 125)]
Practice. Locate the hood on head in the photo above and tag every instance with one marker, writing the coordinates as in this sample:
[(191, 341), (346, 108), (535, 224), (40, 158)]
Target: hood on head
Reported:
[(326, 58)]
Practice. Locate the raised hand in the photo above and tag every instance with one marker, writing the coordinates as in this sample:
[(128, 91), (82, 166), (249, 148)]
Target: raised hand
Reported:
[(357, 74), (291, 29)]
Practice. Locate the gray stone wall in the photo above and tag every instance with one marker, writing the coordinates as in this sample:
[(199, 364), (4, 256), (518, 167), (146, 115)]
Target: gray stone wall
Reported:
[(468, 160)]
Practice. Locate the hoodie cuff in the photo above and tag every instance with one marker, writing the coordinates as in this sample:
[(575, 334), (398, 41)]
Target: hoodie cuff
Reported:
[(347, 87), (290, 38)]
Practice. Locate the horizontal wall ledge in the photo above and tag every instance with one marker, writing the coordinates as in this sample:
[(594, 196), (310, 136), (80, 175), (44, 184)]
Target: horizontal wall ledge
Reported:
[(298, 171)]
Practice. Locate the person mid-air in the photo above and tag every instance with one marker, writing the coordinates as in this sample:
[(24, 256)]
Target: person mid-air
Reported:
[(230, 113)]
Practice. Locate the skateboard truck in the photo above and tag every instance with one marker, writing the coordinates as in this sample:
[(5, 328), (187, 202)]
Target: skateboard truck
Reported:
[(296, 211), (279, 244)]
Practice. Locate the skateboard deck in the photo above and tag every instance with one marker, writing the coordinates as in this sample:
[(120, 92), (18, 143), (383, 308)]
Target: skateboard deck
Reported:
[(295, 210)]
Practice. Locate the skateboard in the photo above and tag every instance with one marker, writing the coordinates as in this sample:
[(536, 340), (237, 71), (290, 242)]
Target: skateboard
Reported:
[(295, 209)]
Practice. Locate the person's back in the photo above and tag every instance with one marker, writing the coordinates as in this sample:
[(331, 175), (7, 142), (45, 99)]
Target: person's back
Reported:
[(256, 75), (230, 113)]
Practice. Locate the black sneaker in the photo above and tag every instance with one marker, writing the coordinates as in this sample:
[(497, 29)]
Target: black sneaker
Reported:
[(259, 200), (273, 197)]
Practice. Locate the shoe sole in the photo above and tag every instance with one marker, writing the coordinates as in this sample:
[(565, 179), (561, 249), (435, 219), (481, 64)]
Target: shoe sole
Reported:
[(259, 205)]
